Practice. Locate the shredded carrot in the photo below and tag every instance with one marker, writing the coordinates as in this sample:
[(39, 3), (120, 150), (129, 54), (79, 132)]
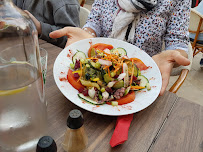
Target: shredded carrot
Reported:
[(134, 59), (136, 87), (131, 79), (127, 62), (93, 58), (106, 67), (109, 72), (122, 62), (116, 69), (117, 62)]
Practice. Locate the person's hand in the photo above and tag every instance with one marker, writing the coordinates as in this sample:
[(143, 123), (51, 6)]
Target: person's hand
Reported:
[(36, 22), (166, 61), (74, 34)]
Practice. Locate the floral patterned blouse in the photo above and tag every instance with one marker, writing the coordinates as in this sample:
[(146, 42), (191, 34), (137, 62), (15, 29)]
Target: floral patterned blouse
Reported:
[(168, 22)]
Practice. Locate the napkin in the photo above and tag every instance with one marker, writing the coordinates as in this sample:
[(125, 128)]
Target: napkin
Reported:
[(120, 134)]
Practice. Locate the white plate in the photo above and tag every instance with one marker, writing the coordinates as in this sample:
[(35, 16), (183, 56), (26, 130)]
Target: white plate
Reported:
[(143, 98)]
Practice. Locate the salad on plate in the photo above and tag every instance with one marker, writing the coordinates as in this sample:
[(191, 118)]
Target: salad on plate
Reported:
[(107, 75)]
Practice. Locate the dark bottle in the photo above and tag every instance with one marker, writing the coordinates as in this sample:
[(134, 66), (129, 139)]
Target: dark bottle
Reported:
[(75, 139), (46, 144)]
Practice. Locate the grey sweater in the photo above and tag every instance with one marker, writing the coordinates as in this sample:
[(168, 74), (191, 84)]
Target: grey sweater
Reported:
[(53, 15)]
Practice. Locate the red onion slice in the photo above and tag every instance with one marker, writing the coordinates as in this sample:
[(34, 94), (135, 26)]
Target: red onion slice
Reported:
[(105, 62), (121, 76)]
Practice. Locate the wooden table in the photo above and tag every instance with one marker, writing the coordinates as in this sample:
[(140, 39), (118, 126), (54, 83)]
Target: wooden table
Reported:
[(170, 124)]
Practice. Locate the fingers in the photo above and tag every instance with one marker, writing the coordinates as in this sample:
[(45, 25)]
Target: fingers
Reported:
[(165, 81), (66, 31), (180, 59), (67, 44), (165, 62), (29, 14), (59, 33)]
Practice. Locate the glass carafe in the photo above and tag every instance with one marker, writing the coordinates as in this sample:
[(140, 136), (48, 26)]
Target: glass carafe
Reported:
[(23, 117)]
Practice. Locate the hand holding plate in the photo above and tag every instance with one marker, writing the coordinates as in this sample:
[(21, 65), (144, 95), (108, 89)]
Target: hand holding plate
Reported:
[(166, 61), (74, 34)]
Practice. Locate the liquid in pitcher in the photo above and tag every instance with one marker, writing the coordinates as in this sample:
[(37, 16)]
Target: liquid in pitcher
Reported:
[(23, 118)]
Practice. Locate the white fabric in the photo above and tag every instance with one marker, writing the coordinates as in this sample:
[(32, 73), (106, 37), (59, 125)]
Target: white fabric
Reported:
[(128, 13), (124, 17), (120, 25)]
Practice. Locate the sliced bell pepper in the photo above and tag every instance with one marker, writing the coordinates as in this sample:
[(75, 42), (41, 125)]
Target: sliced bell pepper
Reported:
[(89, 84)]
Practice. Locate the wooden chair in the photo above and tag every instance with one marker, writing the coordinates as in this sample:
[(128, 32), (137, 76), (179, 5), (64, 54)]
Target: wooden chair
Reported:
[(81, 2), (182, 71), (83, 15), (196, 27)]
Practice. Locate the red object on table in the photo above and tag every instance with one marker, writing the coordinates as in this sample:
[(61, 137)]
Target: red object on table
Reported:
[(197, 2), (120, 134)]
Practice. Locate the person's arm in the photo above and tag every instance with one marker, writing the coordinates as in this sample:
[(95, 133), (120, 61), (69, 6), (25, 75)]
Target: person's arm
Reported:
[(166, 61), (93, 24), (177, 34), (18, 3), (74, 34), (68, 15), (64, 16), (92, 28), (176, 42)]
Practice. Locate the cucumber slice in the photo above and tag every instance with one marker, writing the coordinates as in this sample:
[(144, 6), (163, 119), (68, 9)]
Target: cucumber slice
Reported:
[(130, 66), (143, 80), (93, 53), (88, 99), (78, 55), (135, 70), (118, 84), (126, 91), (93, 65), (148, 86), (107, 78), (119, 51), (114, 103), (139, 72)]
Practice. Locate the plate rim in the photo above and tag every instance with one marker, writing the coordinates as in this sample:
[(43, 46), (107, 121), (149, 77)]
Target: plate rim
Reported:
[(91, 39)]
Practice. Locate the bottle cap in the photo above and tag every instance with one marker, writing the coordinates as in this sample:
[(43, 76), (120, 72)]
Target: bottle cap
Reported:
[(46, 144), (75, 119)]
